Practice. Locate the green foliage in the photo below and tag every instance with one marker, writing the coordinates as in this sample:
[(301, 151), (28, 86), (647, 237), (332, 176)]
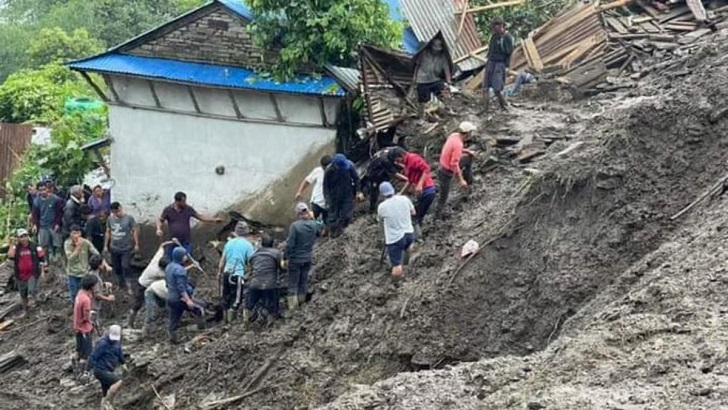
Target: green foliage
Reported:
[(39, 95), (520, 20), (54, 45), (313, 33), (14, 40)]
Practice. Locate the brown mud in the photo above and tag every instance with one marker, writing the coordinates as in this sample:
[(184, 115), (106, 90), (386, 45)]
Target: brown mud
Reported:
[(581, 267)]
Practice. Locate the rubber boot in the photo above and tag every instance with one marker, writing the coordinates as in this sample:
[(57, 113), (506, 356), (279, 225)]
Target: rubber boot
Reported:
[(132, 318), (301, 299), (200, 321), (487, 103), (502, 101), (246, 318), (146, 332), (418, 232), (229, 316), (292, 302), (173, 338)]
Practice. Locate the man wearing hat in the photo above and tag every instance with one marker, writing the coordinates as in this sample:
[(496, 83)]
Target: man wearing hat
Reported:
[(299, 253), (500, 49), (231, 270), (396, 214), (29, 262), (104, 360), (450, 163)]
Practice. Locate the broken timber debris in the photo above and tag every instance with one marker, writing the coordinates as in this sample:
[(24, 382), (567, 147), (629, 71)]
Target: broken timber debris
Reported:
[(11, 360)]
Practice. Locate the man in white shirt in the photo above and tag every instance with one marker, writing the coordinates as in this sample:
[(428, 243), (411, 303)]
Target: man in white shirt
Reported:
[(153, 272), (399, 234), (316, 179)]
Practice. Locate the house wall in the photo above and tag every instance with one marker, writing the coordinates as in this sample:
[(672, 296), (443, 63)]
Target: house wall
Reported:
[(155, 154), (216, 36)]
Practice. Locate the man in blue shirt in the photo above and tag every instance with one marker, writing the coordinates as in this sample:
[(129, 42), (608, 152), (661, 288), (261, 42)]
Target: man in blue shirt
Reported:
[(179, 293), (231, 270), (104, 360)]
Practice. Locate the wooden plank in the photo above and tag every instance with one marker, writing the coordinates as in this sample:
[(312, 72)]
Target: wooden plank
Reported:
[(531, 51), (615, 4), (4, 325), (649, 9), (616, 25), (649, 27), (462, 20), (490, 7)]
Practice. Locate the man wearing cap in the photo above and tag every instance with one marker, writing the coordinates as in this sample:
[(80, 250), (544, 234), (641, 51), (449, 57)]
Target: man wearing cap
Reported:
[(178, 217), (396, 214), (299, 253), (382, 167), (29, 263), (47, 220), (419, 175), (231, 269), (450, 166), (179, 292), (500, 49), (78, 251), (341, 183), (104, 360), (316, 180)]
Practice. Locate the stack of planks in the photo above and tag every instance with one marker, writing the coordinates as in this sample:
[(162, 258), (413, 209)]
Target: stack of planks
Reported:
[(588, 43), (11, 360)]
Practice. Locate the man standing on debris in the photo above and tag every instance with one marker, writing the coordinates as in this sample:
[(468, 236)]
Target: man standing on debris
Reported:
[(299, 253), (432, 73), (231, 270), (72, 215), (396, 214), (316, 179), (450, 163), (340, 189), (96, 229), (122, 239), (106, 357), (152, 273), (382, 167), (29, 264), (178, 217), (263, 282), (82, 322), (102, 290), (47, 219), (500, 49), (419, 175), (179, 298), (78, 251)]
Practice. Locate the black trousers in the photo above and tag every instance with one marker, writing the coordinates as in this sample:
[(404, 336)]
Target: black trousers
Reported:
[(341, 211), (445, 178), (373, 188), (232, 291), (121, 263)]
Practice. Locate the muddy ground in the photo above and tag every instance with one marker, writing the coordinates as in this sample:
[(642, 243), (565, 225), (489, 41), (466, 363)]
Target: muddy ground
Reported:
[(585, 295)]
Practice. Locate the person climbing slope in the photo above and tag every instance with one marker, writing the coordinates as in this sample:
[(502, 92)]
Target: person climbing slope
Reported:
[(396, 214), (341, 182)]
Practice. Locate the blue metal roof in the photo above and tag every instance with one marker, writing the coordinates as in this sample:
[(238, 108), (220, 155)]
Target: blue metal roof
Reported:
[(239, 8), (205, 74)]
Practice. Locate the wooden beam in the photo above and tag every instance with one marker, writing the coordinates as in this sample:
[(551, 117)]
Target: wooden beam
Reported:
[(194, 99), (532, 54), (154, 93), (322, 108), (614, 4), (462, 20), (273, 101), (491, 6), (235, 105), (94, 86), (467, 56), (110, 84)]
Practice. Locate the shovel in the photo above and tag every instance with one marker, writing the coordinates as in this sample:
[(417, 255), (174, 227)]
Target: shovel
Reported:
[(192, 259)]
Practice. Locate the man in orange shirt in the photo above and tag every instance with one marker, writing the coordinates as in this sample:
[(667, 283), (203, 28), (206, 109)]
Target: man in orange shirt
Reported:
[(82, 324), (450, 157)]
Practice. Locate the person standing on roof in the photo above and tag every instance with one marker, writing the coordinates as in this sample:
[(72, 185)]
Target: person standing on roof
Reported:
[(179, 293), (382, 167), (106, 357), (450, 163), (433, 73), (47, 220), (396, 214), (232, 267), (29, 264), (178, 217), (500, 49), (340, 190), (316, 180), (419, 175), (299, 253)]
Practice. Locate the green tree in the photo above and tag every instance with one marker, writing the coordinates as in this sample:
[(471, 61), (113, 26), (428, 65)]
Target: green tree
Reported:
[(15, 40), (520, 20), (54, 45), (39, 95), (313, 33)]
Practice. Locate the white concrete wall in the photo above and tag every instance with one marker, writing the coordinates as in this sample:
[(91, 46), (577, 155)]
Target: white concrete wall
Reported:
[(155, 154)]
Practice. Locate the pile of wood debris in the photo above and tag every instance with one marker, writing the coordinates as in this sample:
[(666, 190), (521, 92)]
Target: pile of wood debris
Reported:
[(597, 48)]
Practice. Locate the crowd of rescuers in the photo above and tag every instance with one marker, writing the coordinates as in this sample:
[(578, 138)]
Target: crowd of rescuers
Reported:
[(94, 241)]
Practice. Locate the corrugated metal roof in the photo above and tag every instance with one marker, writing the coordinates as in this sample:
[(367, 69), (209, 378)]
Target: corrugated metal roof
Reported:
[(348, 77), (206, 74), (427, 17)]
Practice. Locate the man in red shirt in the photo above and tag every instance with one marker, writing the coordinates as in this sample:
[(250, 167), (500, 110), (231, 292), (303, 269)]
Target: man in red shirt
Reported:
[(82, 324), (29, 263), (450, 158), (419, 177)]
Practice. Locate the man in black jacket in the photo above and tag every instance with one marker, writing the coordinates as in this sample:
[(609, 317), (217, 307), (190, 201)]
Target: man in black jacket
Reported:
[(263, 280), (72, 215), (381, 168), (340, 189), (500, 49)]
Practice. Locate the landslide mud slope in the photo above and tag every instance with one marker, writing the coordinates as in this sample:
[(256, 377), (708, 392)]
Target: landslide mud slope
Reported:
[(650, 333)]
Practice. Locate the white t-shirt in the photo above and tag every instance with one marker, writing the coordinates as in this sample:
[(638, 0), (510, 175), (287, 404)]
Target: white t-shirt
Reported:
[(316, 178), (396, 212), (159, 288), (152, 272)]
